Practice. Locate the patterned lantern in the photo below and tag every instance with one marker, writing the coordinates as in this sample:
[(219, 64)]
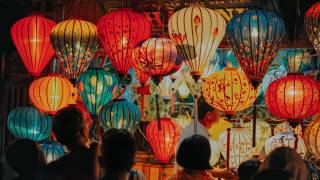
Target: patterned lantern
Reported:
[(293, 97), (96, 87), (75, 41), (31, 36), (311, 135), (51, 93), (163, 140), (120, 31), (28, 122), (282, 127), (295, 59), (229, 91), (197, 32), (52, 151), (119, 113), (286, 140), (240, 146), (311, 25), (254, 36)]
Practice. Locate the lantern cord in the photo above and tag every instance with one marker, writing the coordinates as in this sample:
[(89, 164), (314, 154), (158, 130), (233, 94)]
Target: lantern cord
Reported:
[(142, 133), (228, 149), (158, 113), (142, 106), (254, 124)]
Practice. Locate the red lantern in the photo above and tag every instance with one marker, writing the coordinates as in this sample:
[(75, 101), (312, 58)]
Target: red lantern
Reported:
[(31, 36), (143, 77), (120, 31), (163, 141), (293, 97), (143, 90)]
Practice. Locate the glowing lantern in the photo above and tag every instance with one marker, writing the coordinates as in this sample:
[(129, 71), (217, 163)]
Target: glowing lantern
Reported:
[(75, 41), (311, 24), (219, 127), (311, 137), (197, 32), (295, 59), (163, 140), (31, 36), (96, 87), (143, 77), (51, 93), (183, 90), (282, 127), (120, 31), (52, 151), (167, 88), (143, 90), (119, 113), (30, 123), (229, 91)]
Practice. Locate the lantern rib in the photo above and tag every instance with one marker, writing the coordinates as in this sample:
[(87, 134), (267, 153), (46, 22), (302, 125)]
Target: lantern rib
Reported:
[(252, 73), (29, 47), (212, 42), (184, 54), (191, 65), (29, 60)]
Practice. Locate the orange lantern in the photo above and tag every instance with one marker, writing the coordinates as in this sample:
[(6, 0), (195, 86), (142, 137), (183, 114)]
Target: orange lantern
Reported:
[(51, 93), (311, 137)]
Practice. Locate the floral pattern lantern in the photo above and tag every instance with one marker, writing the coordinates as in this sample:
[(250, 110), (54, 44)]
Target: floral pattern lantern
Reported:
[(52, 151), (311, 25), (28, 122), (311, 137), (31, 36)]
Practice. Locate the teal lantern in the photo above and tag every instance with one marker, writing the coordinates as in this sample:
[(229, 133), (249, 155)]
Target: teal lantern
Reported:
[(52, 150), (28, 122), (96, 87), (120, 113)]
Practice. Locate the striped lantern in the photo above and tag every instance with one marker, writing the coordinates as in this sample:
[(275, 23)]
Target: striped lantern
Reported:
[(312, 25), (28, 122), (52, 151), (311, 135)]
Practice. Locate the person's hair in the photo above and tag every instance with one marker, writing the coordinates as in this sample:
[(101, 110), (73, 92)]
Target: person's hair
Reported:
[(272, 174), (118, 150), (68, 124), (194, 153), (24, 156), (286, 159), (248, 169)]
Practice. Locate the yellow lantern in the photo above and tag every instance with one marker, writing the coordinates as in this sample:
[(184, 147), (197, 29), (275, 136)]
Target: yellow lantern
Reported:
[(219, 127), (311, 137)]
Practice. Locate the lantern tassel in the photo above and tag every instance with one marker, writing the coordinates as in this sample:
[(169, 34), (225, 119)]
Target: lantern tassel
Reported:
[(228, 149), (254, 124), (142, 106)]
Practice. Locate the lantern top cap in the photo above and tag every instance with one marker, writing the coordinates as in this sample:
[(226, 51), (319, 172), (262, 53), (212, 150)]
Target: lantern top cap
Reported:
[(123, 9), (37, 13)]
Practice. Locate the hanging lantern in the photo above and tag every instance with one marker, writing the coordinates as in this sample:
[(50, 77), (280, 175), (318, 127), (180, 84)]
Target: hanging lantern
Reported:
[(28, 122), (96, 87), (119, 113), (75, 41), (167, 88), (311, 135), (31, 36), (282, 128), (311, 25), (52, 93), (295, 59), (183, 90), (143, 77), (197, 32), (219, 127), (52, 151), (254, 36), (120, 31), (163, 140), (293, 97), (229, 91)]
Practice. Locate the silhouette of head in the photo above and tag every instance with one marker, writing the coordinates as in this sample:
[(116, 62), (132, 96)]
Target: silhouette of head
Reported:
[(248, 169)]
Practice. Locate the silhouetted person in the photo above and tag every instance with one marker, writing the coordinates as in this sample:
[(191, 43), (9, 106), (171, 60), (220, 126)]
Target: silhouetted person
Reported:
[(25, 158), (118, 152), (248, 169), (272, 174), (81, 162)]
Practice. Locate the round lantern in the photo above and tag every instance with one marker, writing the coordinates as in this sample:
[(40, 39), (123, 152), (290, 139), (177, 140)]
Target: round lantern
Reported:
[(240, 145), (119, 113), (295, 59), (229, 91), (286, 140), (255, 36), (75, 41), (52, 151), (311, 137), (120, 31), (293, 97), (96, 87), (51, 93), (311, 25), (197, 32), (163, 140), (30, 123), (31, 36)]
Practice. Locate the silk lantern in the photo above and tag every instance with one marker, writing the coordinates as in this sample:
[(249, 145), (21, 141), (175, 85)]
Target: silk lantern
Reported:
[(52, 151), (311, 137), (51, 93), (163, 140), (31, 36), (311, 25), (30, 123), (295, 59), (75, 41)]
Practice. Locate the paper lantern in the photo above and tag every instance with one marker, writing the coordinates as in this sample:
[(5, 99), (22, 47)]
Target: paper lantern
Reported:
[(119, 113), (311, 25), (229, 91), (96, 87), (52, 151), (142, 77), (285, 140), (120, 31), (167, 88), (255, 36), (197, 32), (31, 36), (75, 41), (51, 93), (183, 90), (212, 66), (311, 137), (240, 145), (28, 122), (293, 97), (295, 59), (282, 127), (163, 140)]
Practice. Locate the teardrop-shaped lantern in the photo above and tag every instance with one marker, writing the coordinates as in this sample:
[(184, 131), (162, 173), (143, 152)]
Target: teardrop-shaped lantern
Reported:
[(312, 25), (31, 36), (311, 137), (295, 59), (52, 151)]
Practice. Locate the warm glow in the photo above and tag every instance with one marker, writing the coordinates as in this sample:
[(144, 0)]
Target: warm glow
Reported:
[(311, 137), (311, 26)]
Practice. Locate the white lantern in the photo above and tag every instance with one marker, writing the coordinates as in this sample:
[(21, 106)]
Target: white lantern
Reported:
[(282, 127)]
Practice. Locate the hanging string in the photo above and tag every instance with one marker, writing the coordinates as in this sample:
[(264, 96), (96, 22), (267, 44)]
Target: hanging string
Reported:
[(254, 124), (195, 114), (228, 149)]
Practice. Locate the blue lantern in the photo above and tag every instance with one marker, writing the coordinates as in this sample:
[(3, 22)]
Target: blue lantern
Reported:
[(52, 150), (96, 87), (120, 113), (28, 122)]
